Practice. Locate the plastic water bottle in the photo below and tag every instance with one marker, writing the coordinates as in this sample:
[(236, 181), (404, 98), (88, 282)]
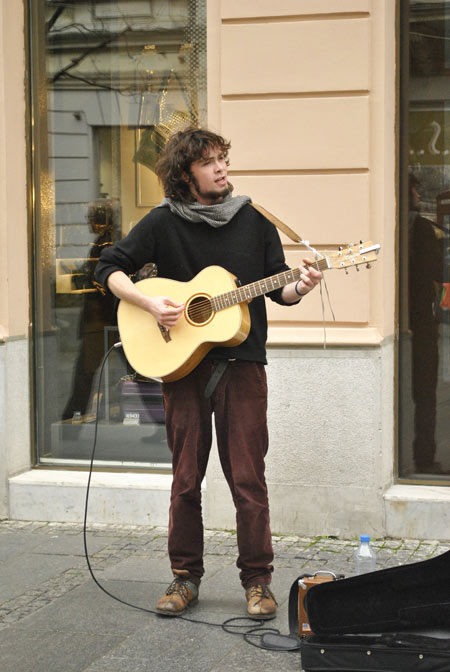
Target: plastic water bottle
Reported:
[(365, 556)]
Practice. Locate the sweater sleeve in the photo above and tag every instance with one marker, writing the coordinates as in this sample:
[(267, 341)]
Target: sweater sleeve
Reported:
[(275, 262), (129, 254)]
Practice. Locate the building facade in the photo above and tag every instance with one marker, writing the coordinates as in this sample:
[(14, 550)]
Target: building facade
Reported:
[(336, 111)]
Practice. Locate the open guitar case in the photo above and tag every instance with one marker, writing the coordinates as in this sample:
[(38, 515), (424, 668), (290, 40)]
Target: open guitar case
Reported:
[(391, 620)]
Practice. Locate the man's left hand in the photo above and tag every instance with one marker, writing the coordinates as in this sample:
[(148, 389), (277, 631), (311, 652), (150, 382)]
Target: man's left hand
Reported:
[(309, 276)]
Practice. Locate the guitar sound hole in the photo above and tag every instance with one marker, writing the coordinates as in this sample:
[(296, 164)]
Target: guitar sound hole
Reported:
[(199, 310)]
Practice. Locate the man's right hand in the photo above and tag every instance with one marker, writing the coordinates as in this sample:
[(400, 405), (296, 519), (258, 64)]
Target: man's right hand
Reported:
[(164, 310)]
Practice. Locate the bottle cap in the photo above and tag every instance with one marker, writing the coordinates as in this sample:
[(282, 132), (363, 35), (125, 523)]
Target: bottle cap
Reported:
[(364, 537)]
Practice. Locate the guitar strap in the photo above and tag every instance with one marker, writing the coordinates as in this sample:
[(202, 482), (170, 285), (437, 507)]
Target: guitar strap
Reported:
[(215, 377), (278, 223)]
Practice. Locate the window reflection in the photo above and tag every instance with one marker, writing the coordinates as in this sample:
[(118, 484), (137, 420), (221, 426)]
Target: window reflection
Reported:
[(424, 411), (97, 308), (426, 274), (110, 80)]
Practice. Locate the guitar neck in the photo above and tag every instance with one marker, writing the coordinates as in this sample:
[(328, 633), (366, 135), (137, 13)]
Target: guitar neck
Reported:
[(261, 287)]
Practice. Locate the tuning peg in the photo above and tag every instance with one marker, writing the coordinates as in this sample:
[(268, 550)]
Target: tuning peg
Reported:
[(368, 265), (357, 268)]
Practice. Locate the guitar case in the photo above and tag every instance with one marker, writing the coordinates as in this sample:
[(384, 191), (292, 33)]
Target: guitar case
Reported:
[(391, 620)]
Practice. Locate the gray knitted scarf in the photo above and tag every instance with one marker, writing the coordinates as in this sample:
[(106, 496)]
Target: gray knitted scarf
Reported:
[(214, 215)]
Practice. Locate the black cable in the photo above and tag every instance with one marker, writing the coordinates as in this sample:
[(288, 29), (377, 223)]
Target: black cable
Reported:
[(256, 627), (86, 506)]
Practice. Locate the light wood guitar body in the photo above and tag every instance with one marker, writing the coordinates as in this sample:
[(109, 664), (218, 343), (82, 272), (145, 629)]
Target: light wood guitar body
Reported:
[(156, 353), (215, 313)]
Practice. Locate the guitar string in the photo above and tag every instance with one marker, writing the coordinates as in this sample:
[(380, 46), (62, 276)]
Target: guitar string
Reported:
[(199, 308), (204, 308), (322, 303), (198, 311)]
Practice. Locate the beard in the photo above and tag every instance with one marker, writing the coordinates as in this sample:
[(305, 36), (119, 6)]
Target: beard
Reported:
[(212, 195)]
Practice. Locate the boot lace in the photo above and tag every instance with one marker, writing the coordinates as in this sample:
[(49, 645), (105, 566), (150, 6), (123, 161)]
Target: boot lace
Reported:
[(180, 587), (261, 592)]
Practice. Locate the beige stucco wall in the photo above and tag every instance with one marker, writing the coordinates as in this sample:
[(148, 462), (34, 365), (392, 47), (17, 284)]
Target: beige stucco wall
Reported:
[(306, 92), (15, 453), (14, 316)]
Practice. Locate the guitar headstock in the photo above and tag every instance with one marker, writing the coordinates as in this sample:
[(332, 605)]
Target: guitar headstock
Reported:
[(353, 255)]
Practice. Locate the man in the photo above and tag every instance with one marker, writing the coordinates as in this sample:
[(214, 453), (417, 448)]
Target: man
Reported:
[(200, 224)]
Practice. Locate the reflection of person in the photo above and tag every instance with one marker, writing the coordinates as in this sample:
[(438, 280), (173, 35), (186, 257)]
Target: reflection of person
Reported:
[(201, 224), (96, 313), (425, 268)]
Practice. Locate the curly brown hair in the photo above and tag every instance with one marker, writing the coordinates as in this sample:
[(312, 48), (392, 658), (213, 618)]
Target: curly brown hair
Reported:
[(181, 150)]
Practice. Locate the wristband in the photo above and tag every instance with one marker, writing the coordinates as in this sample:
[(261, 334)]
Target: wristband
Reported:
[(296, 290)]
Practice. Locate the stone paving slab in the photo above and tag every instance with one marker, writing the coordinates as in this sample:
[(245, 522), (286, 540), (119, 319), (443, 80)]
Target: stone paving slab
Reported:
[(15, 544), (140, 566), (71, 544), (27, 649), (29, 571), (171, 644), (93, 612), (54, 617)]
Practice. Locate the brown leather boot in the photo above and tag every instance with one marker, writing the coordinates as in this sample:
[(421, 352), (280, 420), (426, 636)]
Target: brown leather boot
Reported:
[(261, 603), (179, 595)]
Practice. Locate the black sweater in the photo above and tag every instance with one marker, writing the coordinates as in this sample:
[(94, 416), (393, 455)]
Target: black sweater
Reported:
[(248, 246)]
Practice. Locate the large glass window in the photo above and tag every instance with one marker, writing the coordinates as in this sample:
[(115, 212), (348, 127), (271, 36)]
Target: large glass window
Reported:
[(424, 356), (111, 79)]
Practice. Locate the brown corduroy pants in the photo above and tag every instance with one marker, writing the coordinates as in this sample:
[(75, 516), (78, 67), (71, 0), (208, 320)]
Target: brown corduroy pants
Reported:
[(239, 404)]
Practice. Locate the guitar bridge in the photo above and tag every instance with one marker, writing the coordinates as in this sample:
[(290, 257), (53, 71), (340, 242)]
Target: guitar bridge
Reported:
[(165, 333)]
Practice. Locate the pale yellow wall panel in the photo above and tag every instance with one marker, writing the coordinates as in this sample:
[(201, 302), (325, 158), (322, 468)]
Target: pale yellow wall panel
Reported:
[(290, 134), (237, 9), (295, 57), (324, 209), (14, 292), (349, 296)]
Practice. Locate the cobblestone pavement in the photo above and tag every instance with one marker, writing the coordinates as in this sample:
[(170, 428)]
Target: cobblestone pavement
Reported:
[(54, 617)]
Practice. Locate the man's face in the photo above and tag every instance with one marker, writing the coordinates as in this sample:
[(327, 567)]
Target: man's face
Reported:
[(208, 177)]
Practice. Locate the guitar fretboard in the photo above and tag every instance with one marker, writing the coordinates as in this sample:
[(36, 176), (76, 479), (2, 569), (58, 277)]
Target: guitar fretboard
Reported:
[(254, 289)]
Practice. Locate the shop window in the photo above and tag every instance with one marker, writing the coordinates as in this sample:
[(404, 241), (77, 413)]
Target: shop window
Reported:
[(110, 80), (424, 344)]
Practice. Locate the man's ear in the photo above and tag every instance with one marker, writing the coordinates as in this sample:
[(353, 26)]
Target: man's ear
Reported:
[(185, 177)]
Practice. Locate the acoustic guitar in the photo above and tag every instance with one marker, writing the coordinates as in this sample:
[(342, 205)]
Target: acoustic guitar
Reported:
[(215, 314)]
